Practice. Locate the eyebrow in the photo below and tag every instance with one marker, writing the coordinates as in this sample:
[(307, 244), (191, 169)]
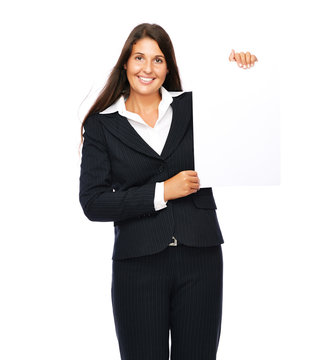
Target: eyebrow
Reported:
[(144, 54)]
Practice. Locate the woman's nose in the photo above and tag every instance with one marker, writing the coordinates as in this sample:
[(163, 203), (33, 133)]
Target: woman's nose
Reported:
[(147, 67)]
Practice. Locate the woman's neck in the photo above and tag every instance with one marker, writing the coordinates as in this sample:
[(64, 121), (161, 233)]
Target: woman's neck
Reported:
[(142, 104)]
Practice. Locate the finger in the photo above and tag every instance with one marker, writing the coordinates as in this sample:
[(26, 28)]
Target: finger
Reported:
[(194, 184), (243, 59), (253, 59), (194, 179), (248, 59), (191, 172), (231, 57), (237, 59)]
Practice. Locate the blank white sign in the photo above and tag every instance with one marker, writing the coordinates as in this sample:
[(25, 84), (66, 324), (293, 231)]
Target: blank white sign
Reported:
[(236, 116)]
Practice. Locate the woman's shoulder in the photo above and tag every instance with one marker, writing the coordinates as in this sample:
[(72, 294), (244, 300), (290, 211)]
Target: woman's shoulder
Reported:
[(113, 107), (180, 93)]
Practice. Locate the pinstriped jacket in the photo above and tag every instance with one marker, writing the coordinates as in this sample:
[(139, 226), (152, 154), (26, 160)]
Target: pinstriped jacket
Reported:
[(118, 173)]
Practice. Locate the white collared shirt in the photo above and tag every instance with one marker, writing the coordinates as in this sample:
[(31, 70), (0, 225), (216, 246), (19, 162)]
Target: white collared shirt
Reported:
[(156, 136)]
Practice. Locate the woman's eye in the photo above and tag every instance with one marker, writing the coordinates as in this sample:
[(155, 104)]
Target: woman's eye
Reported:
[(156, 60)]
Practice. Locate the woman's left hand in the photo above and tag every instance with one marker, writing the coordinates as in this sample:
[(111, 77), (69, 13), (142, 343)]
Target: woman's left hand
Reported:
[(244, 60)]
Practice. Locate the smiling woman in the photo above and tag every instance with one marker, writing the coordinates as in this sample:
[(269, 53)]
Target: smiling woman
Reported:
[(118, 84), (137, 170), (146, 72)]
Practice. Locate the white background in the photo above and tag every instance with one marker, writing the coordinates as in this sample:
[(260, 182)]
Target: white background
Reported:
[(55, 265)]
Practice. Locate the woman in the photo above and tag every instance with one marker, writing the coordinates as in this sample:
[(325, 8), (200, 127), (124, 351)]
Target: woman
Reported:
[(137, 171)]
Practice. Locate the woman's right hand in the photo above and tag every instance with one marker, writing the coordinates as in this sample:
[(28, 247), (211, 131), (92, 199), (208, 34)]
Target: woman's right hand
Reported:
[(184, 183)]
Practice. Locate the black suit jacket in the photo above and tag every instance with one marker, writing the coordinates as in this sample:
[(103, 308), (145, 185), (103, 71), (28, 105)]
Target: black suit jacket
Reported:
[(119, 171)]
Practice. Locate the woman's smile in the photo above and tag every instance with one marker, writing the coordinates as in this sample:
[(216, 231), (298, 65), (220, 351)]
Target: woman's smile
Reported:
[(145, 80)]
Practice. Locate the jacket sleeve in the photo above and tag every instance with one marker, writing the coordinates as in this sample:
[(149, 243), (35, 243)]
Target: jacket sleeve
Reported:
[(97, 197)]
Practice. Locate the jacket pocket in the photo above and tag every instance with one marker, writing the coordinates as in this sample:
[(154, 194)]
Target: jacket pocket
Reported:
[(204, 199)]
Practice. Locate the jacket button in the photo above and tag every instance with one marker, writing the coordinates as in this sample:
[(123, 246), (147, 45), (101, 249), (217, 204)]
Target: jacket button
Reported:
[(161, 168)]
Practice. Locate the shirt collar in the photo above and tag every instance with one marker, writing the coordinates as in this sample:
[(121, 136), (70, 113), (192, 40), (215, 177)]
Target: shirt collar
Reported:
[(119, 105)]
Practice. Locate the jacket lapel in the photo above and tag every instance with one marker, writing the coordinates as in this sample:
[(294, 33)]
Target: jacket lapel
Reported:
[(120, 127)]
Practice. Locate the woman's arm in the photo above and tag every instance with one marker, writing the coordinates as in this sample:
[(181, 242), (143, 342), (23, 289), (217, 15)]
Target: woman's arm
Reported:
[(96, 195)]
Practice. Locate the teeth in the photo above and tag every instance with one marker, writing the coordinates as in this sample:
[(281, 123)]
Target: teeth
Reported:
[(146, 79)]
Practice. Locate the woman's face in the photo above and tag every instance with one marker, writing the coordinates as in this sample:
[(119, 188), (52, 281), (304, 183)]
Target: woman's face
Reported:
[(146, 67)]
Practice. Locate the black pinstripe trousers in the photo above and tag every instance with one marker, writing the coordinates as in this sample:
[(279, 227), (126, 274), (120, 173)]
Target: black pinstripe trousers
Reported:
[(178, 289)]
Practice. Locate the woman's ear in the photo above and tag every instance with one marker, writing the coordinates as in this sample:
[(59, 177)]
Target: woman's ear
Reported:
[(125, 66)]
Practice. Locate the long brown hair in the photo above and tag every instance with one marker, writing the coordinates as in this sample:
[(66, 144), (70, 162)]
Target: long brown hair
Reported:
[(118, 84)]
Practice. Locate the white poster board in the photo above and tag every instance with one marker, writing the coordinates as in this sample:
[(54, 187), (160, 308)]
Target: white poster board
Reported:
[(236, 116)]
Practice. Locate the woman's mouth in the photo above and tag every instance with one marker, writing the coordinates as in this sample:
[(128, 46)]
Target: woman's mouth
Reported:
[(145, 80)]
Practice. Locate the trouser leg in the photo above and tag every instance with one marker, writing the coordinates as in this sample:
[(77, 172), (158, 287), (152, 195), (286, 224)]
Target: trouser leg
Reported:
[(196, 303), (140, 299)]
